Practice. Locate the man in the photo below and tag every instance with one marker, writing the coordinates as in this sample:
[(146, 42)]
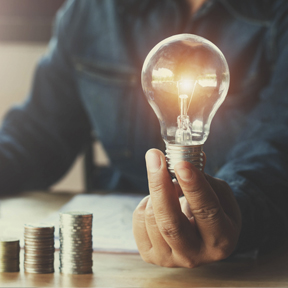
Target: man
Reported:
[(89, 81)]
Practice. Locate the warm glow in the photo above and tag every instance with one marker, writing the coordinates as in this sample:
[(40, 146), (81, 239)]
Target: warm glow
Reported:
[(162, 74), (210, 80), (186, 85)]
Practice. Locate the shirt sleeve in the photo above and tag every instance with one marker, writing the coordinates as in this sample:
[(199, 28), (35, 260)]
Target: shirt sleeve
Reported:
[(40, 139), (257, 169)]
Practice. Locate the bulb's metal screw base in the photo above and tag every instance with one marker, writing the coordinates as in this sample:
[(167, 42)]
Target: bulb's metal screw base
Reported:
[(176, 153)]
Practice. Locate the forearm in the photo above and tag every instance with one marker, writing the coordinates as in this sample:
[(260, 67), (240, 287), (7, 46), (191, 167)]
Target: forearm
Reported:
[(40, 139), (257, 172)]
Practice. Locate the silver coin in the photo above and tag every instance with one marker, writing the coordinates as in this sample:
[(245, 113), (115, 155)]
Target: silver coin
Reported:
[(80, 226), (75, 233), (75, 228), (76, 220), (76, 241), (68, 260), (75, 225), (76, 251), (71, 271), (77, 264), (44, 253), (75, 257), (40, 249), (85, 251), (73, 236), (76, 238), (47, 244), (38, 264), (76, 269), (39, 238), (68, 257), (39, 271), (39, 242), (75, 247), (39, 226), (38, 260), (76, 214), (76, 261), (38, 234)]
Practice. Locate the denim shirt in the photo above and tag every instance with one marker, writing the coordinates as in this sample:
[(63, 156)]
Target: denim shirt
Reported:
[(89, 82)]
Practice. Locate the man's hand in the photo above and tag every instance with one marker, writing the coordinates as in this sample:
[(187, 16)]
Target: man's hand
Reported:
[(202, 227)]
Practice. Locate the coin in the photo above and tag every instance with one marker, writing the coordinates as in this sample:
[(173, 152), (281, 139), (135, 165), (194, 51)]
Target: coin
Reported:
[(74, 214), (75, 237), (43, 227), (39, 248), (39, 271), (9, 254)]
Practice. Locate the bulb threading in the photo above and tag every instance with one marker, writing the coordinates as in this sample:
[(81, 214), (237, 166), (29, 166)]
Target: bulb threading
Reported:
[(176, 153)]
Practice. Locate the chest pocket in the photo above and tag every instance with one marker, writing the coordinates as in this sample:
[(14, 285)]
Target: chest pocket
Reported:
[(108, 93), (107, 73)]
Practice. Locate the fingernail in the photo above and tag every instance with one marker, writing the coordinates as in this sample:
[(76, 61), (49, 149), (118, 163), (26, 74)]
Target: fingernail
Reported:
[(153, 161), (185, 174)]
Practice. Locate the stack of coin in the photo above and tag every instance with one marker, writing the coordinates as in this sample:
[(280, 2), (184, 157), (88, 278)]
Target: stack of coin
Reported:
[(9, 254), (75, 235), (39, 248)]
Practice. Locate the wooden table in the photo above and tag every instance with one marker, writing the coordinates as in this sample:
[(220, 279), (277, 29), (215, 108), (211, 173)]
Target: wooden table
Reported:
[(123, 270)]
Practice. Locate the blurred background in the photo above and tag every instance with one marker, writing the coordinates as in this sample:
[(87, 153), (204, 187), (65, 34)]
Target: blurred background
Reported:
[(25, 29)]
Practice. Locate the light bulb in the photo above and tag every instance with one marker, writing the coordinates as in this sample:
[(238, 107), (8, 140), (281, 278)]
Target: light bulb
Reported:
[(185, 79)]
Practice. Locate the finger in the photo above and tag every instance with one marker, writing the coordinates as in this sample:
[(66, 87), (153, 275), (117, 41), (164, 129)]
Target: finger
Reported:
[(172, 223), (139, 228), (160, 249), (226, 198), (209, 216)]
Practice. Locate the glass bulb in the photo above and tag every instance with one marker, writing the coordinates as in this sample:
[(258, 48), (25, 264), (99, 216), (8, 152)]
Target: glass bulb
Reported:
[(185, 79)]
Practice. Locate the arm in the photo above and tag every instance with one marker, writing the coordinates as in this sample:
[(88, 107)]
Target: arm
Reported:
[(257, 167), (40, 139)]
